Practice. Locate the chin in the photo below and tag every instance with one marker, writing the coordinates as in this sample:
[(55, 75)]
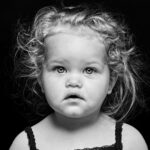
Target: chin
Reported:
[(74, 114)]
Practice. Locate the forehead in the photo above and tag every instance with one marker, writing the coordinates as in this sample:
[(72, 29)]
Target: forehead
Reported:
[(73, 43)]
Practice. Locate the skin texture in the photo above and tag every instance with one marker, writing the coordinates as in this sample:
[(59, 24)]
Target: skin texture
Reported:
[(75, 65)]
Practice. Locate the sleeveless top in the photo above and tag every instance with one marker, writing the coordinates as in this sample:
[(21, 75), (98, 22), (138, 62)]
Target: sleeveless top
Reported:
[(116, 146)]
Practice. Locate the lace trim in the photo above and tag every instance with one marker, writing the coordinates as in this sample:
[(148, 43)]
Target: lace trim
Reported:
[(31, 138), (99, 148), (118, 135)]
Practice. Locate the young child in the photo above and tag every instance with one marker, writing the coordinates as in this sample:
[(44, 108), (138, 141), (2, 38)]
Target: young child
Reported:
[(84, 61)]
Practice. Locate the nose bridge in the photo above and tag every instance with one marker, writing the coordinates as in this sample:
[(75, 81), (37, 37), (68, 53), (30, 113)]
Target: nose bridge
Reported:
[(74, 79)]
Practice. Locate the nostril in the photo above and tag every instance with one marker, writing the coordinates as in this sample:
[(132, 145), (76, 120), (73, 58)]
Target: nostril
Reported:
[(73, 84)]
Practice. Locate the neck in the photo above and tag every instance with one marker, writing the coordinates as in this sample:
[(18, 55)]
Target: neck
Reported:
[(74, 124)]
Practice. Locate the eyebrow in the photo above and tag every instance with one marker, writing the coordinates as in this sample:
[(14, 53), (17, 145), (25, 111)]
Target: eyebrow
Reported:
[(94, 62), (58, 61), (63, 61)]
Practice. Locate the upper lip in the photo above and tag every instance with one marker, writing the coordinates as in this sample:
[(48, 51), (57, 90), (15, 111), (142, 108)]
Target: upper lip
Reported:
[(69, 95)]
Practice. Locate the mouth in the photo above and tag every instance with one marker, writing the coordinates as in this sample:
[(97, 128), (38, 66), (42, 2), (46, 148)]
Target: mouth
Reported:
[(74, 96)]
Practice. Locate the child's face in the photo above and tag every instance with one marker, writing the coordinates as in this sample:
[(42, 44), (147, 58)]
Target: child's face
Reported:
[(75, 66)]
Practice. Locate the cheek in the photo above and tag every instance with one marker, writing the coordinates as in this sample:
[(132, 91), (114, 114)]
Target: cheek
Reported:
[(98, 89), (52, 87)]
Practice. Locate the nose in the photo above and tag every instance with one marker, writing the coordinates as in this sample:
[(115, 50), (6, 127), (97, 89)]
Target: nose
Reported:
[(74, 81)]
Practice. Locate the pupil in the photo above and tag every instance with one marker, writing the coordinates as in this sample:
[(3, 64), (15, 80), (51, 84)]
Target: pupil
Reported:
[(60, 69), (89, 70)]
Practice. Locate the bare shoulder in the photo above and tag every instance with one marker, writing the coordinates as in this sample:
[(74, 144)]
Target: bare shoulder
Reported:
[(132, 138), (20, 142)]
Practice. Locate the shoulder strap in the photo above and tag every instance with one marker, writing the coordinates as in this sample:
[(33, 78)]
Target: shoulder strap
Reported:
[(31, 138), (118, 135)]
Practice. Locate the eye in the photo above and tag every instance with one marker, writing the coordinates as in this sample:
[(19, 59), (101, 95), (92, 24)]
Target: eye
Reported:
[(90, 70), (59, 69)]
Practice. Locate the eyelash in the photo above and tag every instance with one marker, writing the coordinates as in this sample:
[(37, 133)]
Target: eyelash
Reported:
[(93, 69), (56, 68)]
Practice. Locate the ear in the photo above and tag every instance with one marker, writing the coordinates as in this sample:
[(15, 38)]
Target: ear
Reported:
[(112, 83)]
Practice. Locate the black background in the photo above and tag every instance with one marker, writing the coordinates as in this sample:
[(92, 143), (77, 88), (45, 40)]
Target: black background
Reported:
[(137, 16)]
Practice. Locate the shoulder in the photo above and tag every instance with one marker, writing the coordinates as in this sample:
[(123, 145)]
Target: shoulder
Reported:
[(20, 142), (132, 138)]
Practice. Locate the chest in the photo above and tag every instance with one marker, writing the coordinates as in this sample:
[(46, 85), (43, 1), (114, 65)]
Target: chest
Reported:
[(81, 141)]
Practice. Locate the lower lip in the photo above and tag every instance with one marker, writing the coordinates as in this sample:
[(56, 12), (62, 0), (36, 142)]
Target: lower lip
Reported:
[(74, 99)]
